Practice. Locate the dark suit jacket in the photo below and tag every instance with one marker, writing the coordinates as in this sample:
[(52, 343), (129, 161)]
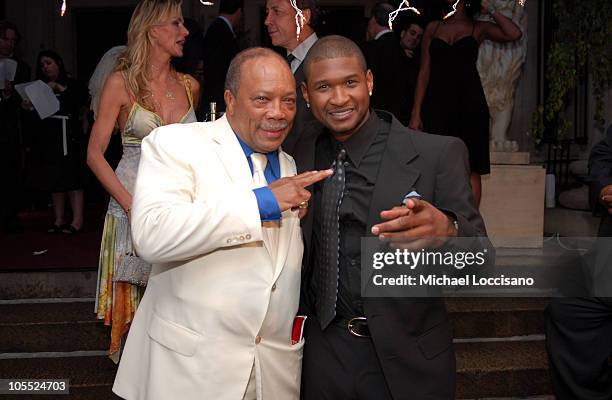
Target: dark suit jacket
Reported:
[(391, 71), (220, 47), (413, 337), (600, 175), (303, 115)]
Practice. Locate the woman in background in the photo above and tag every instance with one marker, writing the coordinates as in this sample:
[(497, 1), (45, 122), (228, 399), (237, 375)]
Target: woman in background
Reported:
[(449, 99), (59, 144), (143, 93)]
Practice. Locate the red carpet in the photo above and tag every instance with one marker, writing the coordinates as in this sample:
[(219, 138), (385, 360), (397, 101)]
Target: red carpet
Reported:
[(81, 250)]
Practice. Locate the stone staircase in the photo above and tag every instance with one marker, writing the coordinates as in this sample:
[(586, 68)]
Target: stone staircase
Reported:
[(49, 330)]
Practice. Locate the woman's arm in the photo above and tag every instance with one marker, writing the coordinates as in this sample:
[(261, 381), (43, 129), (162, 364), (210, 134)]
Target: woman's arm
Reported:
[(423, 79), (114, 96), (503, 30)]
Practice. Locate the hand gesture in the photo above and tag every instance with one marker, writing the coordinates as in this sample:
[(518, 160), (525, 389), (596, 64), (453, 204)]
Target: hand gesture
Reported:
[(606, 197), (290, 192), (417, 224)]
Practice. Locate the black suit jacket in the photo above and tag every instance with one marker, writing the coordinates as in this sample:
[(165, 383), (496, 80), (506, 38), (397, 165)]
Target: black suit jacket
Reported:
[(392, 76), (600, 175), (303, 115), (413, 337), (220, 47)]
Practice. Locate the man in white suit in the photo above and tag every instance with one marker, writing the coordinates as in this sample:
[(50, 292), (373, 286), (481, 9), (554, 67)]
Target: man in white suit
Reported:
[(216, 210)]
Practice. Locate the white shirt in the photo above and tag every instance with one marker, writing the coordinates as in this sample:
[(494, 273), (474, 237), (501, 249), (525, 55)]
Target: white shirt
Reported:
[(228, 24), (300, 52), (379, 34)]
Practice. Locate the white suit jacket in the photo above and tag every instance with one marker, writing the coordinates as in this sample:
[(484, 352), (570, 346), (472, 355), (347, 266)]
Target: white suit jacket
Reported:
[(215, 304)]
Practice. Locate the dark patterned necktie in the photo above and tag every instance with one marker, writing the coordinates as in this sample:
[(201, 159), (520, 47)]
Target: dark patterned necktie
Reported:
[(290, 57), (326, 270)]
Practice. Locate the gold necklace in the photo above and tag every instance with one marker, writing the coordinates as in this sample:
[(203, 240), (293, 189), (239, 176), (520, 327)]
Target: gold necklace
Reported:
[(170, 95)]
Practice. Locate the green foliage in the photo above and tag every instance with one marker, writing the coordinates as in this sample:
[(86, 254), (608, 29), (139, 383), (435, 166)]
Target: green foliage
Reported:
[(581, 44)]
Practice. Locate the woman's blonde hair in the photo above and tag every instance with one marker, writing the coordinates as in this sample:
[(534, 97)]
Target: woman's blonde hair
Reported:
[(134, 60)]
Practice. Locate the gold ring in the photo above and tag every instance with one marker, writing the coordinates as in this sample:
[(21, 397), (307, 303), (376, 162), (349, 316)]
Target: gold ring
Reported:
[(303, 205)]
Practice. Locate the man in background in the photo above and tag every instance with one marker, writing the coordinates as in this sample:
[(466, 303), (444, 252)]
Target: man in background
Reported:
[(281, 26), (11, 132), (410, 31), (579, 330), (387, 61), (220, 47)]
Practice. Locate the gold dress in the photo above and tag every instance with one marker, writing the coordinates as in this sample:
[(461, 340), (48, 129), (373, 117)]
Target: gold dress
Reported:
[(116, 302)]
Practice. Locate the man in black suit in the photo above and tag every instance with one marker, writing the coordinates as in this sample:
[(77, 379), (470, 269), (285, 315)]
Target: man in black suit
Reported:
[(387, 61), (11, 132), (579, 330), (395, 348), (410, 33), (281, 26), (600, 166), (220, 47)]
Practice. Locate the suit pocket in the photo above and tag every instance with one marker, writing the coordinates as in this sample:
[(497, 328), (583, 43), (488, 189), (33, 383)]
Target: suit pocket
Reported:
[(436, 340), (173, 336)]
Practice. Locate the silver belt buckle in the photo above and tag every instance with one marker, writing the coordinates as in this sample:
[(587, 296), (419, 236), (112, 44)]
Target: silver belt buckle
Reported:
[(351, 324)]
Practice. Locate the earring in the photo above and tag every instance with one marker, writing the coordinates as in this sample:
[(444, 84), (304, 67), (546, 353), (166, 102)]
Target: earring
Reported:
[(307, 105), (370, 93)]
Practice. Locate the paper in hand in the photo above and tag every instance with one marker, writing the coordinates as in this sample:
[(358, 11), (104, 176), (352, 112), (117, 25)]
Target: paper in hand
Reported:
[(41, 96), (10, 68)]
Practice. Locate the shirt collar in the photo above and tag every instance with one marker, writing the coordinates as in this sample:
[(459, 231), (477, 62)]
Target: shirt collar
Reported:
[(303, 48), (272, 156), (358, 144), (229, 24), (379, 34)]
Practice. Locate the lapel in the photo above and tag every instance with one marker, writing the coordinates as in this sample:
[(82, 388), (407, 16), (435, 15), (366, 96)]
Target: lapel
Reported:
[(396, 176), (305, 161), (232, 156), (230, 152), (289, 221)]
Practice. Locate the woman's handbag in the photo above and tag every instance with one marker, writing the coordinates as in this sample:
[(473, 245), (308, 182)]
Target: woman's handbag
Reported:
[(133, 269)]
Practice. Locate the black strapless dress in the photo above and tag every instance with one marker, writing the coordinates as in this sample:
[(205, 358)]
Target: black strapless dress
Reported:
[(455, 104)]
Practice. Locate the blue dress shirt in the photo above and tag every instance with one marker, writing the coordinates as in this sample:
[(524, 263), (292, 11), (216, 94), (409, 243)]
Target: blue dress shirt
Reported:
[(268, 206)]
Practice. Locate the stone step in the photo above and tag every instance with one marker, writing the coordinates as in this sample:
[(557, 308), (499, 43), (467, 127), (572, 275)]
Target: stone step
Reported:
[(484, 370), (72, 326), (59, 327), (82, 371), (502, 369), (90, 378), (496, 317), (93, 392), (568, 222), (48, 284)]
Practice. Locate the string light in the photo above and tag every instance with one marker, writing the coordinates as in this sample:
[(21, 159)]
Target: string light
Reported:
[(63, 8), (404, 6), (450, 14), (300, 19)]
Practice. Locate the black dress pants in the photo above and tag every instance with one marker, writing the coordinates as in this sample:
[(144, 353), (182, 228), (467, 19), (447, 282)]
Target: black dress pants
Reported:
[(579, 343), (340, 366)]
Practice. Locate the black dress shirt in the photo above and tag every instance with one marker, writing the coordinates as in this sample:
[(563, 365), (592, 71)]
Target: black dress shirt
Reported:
[(364, 155)]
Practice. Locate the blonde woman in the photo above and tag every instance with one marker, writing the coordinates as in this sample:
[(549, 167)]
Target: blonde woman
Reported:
[(143, 93)]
